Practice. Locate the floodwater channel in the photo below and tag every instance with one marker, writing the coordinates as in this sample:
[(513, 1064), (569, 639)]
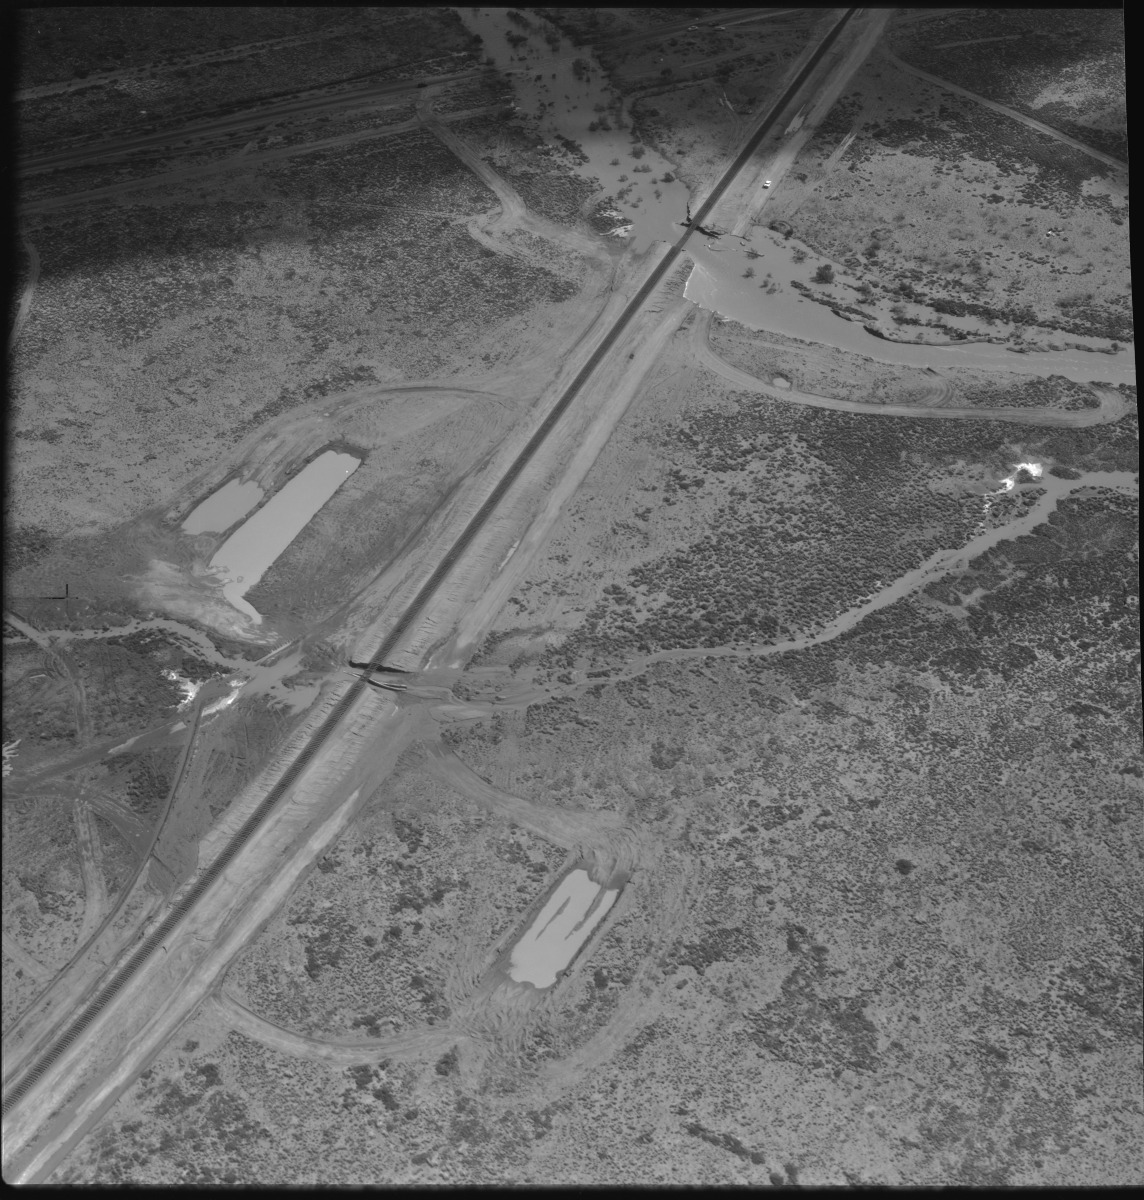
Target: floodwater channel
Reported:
[(219, 511), (242, 560), (561, 927), (766, 300), (563, 89)]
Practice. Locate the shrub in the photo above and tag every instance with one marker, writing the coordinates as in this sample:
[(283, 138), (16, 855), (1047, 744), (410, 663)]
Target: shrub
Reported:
[(824, 274)]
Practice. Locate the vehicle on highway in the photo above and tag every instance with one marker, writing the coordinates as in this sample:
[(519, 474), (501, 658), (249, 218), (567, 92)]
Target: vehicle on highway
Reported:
[(691, 28), (766, 183)]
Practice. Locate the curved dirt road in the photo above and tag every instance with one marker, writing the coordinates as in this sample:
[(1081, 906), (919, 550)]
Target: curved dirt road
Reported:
[(23, 961), (417, 1043), (1007, 112), (1113, 405)]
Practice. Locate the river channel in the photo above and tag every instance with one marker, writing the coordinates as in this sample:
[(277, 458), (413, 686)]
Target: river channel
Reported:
[(219, 511), (561, 927), (562, 98)]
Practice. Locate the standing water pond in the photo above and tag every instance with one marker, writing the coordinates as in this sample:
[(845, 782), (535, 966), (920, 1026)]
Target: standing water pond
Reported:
[(247, 554), (220, 510), (561, 927), (564, 92)]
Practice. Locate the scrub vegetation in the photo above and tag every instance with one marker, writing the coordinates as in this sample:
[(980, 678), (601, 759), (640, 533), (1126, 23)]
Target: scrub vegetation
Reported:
[(927, 197), (879, 912)]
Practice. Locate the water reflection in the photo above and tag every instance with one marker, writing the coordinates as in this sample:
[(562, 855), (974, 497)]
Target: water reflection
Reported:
[(246, 555)]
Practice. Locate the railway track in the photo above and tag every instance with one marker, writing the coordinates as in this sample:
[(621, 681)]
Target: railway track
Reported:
[(154, 942)]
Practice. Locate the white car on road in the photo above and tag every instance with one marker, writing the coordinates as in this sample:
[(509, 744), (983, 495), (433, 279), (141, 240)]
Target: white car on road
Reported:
[(766, 183)]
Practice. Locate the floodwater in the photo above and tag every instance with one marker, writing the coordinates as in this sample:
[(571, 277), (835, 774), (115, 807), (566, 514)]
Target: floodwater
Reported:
[(219, 511), (561, 927), (564, 99), (247, 554), (766, 301)]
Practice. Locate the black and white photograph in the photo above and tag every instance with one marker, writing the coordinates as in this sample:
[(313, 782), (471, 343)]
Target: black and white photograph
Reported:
[(571, 599)]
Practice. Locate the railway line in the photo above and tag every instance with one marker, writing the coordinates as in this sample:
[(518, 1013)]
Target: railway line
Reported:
[(33, 1072)]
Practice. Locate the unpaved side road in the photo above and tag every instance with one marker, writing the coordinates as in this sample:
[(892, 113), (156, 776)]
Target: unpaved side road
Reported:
[(1011, 113), (514, 212), (1113, 405), (60, 664), (71, 199), (222, 1009)]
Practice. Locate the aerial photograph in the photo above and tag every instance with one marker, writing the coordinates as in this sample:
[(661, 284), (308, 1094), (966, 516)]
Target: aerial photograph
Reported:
[(571, 599)]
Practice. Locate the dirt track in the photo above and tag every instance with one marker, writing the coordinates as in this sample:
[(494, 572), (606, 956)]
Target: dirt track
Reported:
[(28, 294), (514, 213), (600, 837), (91, 868), (417, 1043)]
